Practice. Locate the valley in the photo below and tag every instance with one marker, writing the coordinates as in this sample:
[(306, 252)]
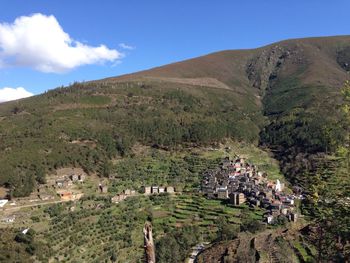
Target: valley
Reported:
[(75, 160)]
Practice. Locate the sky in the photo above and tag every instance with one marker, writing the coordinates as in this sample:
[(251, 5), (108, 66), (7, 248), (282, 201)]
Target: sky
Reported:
[(47, 44)]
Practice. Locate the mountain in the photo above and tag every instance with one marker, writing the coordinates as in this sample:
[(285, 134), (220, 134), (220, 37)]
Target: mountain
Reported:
[(284, 96)]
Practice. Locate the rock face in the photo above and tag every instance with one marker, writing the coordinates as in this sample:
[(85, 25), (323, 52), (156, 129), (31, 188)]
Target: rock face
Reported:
[(268, 246), (263, 68), (150, 256), (343, 58)]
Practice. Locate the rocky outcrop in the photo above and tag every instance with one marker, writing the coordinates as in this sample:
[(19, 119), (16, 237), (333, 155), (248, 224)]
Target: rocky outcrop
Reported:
[(343, 58), (268, 246), (263, 68)]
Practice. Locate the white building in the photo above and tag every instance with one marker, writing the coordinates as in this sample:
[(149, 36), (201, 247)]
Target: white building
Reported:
[(279, 186), (269, 219), (3, 202)]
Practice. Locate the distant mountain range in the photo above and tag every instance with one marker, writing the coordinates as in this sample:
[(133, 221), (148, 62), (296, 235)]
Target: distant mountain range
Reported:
[(283, 96)]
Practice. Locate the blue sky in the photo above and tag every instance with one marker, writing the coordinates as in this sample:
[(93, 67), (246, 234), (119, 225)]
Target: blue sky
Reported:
[(159, 32)]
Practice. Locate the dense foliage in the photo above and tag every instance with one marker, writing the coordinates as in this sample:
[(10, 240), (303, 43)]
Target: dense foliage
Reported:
[(327, 201), (174, 246), (304, 123)]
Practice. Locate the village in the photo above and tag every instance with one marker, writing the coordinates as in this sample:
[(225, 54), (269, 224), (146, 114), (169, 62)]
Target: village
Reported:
[(240, 182), (236, 181)]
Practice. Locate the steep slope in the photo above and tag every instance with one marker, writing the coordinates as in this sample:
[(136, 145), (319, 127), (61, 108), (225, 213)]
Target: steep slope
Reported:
[(284, 95), (278, 245)]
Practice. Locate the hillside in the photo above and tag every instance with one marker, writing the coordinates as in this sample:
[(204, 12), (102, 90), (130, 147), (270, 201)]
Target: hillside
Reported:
[(277, 245), (283, 96)]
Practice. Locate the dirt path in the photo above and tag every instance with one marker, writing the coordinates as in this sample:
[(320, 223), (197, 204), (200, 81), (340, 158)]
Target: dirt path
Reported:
[(195, 251), (14, 208)]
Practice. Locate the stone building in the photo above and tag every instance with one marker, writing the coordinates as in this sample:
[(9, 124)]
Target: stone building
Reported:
[(237, 198), (147, 190), (169, 189)]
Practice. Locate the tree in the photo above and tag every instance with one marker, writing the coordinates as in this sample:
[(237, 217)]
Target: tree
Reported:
[(346, 120), (249, 223), (106, 168), (168, 250), (226, 231), (114, 256), (327, 198)]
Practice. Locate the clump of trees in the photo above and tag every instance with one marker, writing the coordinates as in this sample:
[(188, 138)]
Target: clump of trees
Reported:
[(226, 231), (249, 223), (174, 246)]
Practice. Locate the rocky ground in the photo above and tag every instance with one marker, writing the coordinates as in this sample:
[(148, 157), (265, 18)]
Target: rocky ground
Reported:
[(273, 245)]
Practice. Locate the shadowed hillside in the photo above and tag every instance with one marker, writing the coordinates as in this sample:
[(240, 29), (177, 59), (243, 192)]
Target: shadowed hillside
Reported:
[(283, 96)]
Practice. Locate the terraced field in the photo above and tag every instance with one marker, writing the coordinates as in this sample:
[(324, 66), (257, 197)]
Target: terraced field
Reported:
[(94, 230), (197, 210), (96, 234)]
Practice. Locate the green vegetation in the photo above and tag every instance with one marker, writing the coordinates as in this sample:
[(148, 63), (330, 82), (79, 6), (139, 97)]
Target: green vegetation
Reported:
[(174, 246), (156, 167), (12, 251), (304, 122), (75, 127), (97, 231)]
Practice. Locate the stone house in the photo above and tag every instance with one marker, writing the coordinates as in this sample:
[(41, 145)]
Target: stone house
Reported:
[(222, 193), (293, 217), (81, 177), (169, 189), (237, 198), (118, 198), (155, 189), (66, 196), (62, 183), (147, 190), (74, 177)]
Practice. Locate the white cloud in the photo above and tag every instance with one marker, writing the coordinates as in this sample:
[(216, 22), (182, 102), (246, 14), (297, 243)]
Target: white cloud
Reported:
[(125, 46), (7, 94), (38, 41)]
